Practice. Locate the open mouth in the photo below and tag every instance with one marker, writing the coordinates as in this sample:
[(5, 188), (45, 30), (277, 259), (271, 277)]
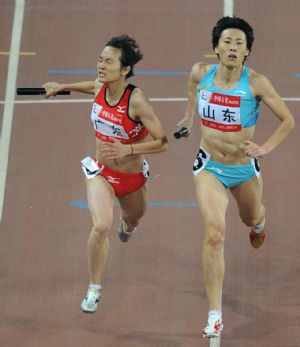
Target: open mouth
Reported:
[(232, 56)]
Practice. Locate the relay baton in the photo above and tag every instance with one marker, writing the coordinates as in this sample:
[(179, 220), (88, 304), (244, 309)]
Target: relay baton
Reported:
[(38, 91), (183, 132)]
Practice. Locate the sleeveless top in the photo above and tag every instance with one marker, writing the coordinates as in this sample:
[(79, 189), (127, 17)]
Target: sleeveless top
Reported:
[(227, 110), (114, 121)]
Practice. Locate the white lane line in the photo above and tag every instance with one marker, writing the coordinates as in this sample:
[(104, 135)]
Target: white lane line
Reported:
[(10, 95), (71, 101), (228, 8), (75, 101)]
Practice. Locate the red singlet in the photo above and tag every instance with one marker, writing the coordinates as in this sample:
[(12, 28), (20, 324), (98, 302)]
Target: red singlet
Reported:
[(114, 121)]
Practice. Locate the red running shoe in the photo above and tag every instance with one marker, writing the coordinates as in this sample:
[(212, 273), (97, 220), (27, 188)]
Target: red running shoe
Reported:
[(257, 240)]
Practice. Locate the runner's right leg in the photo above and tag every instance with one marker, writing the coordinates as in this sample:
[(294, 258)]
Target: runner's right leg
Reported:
[(100, 196), (213, 201)]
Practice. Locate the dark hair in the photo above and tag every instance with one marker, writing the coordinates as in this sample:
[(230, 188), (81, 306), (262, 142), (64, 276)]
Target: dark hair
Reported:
[(130, 51), (232, 22)]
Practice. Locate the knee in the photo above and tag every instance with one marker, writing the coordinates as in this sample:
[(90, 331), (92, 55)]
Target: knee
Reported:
[(215, 235), (101, 229)]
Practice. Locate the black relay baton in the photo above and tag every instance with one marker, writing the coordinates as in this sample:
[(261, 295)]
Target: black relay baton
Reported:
[(183, 132), (38, 91)]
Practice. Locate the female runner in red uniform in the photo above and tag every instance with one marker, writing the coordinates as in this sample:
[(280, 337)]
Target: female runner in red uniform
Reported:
[(122, 117)]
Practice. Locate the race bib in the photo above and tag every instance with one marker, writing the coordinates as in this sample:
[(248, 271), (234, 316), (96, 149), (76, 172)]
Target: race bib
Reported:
[(220, 111), (107, 123)]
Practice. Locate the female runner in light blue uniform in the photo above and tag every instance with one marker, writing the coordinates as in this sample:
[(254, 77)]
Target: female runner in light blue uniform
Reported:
[(228, 111), (228, 97)]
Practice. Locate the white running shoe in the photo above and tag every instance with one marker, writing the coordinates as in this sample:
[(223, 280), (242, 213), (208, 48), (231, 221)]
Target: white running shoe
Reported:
[(124, 235), (90, 302), (213, 328)]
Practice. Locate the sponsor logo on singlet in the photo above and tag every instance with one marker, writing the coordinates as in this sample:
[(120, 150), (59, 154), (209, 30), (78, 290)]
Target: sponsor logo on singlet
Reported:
[(121, 109)]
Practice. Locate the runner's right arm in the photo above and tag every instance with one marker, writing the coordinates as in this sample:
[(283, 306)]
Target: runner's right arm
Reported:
[(194, 80), (52, 88)]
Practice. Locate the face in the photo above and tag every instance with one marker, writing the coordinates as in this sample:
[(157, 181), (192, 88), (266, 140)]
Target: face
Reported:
[(232, 47), (109, 65)]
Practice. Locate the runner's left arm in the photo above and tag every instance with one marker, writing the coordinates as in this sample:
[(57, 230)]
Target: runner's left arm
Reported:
[(140, 109), (266, 92)]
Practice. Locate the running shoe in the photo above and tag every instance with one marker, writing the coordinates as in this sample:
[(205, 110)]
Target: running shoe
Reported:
[(90, 302), (124, 235), (256, 239), (213, 329)]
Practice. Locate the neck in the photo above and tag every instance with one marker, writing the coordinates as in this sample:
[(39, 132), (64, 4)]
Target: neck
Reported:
[(115, 90), (228, 74), (227, 77)]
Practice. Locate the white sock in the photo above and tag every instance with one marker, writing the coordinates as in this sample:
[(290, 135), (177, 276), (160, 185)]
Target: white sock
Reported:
[(259, 227), (213, 316), (125, 231), (95, 286)]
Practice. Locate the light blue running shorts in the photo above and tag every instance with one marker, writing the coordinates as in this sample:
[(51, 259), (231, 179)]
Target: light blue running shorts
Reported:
[(229, 175)]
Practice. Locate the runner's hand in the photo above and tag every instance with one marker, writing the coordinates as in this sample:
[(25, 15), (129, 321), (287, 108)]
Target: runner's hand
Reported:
[(52, 88), (115, 149), (253, 150), (185, 123)]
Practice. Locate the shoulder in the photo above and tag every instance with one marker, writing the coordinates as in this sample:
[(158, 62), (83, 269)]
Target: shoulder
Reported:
[(139, 105), (138, 97), (259, 83), (256, 78), (199, 70)]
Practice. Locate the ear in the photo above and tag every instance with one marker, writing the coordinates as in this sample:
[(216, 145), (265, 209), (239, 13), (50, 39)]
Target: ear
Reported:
[(125, 70), (217, 52)]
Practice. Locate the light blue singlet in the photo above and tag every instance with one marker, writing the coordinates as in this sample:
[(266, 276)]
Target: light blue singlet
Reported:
[(227, 111), (248, 105)]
